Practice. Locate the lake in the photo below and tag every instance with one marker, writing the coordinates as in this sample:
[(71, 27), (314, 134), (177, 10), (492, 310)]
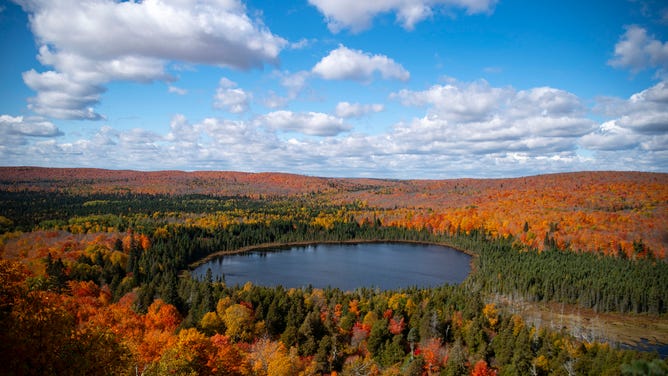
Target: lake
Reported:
[(385, 266)]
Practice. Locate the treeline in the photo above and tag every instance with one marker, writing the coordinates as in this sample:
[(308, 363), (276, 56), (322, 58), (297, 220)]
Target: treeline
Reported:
[(28, 210), (602, 283)]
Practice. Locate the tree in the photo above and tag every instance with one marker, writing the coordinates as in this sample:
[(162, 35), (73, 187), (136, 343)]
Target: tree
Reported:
[(225, 358), (269, 358), (310, 333), (482, 369), (433, 354), (211, 323), (162, 316), (56, 272), (181, 359), (239, 322), (455, 366), (491, 314), (41, 332), (412, 338), (377, 337)]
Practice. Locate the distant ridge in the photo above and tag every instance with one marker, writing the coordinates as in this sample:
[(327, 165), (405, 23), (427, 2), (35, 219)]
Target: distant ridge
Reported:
[(584, 210), (232, 183)]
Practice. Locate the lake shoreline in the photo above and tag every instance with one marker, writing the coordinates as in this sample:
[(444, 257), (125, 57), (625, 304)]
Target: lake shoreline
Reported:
[(345, 265), (270, 246)]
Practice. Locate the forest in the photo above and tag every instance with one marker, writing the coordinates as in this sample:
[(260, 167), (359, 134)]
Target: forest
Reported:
[(94, 273)]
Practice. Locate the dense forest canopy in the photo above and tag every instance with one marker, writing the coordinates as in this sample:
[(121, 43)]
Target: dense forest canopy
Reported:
[(94, 272), (584, 211)]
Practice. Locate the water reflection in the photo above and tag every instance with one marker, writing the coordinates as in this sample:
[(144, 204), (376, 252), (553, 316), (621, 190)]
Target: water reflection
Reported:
[(345, 266)]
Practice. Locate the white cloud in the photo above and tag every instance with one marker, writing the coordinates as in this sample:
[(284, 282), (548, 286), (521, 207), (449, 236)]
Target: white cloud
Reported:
[(308, 123), (176, 90), (456, 101), (476, 118), (60, 96), (640, 122), (181, 131), (302, 43), (92, 42), (294, 82), (478, 101), (637, 50), (522, 132), (231, 98), (352, 110), (611, 137), (274, 101), (346, 64), (138, 137), (31, 127), (18, 133), (358, 15)]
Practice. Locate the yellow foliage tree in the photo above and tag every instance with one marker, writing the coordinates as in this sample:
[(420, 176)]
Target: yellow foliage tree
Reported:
[(238, 321), (491, 314)]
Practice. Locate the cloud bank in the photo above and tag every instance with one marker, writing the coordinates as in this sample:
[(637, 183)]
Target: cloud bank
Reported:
[(505, 132)]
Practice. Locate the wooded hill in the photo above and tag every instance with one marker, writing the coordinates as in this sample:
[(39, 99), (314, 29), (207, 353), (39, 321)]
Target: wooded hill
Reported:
[(599, 212)]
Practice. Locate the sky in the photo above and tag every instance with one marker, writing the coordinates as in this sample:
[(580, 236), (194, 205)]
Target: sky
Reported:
[(407, 89)]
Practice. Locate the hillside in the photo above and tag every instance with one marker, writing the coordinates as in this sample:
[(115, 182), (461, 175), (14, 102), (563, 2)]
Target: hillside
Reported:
[(603, 212)]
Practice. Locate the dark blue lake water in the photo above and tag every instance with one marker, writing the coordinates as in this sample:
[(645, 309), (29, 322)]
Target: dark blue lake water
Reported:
[(346, 266)]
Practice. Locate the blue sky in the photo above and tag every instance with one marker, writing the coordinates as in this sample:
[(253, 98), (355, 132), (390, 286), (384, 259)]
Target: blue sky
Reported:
[(389, 88)]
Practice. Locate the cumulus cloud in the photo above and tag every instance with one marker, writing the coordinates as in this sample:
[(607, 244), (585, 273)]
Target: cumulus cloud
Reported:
[(60, 96), (457, 102), (181, 131), (640, 121), (308, 123), (231, 98), (346, 64), (353, 110), (638, 51), (480, 119), (358, 15), (92, 42), (17, 129), (610, 137)]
